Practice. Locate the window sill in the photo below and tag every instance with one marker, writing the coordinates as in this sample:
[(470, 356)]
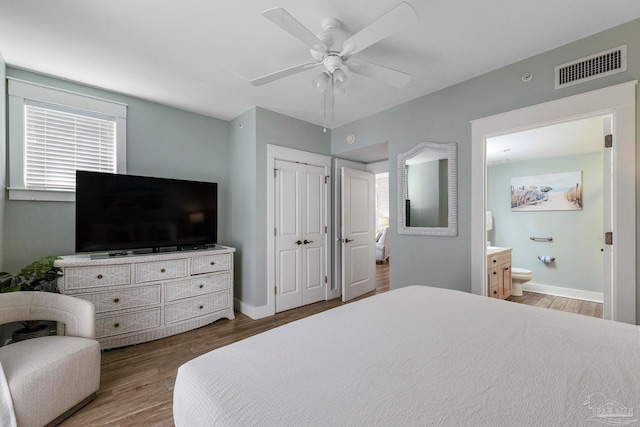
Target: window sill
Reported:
[(41, 195)]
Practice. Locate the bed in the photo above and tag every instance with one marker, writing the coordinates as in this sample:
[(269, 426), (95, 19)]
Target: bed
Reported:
[(420, 356)]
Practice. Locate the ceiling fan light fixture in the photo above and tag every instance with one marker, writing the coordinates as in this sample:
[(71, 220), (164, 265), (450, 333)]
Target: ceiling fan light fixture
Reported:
[(334, 47), (339, 75), (321, 81), (340, 80)]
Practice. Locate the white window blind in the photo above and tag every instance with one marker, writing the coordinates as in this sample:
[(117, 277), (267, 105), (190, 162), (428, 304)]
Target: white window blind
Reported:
[(54, 132), (60, 140)]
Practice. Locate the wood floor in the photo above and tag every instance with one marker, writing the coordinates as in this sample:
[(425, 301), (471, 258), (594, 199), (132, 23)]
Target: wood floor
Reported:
[(136, 387), (587, 308)]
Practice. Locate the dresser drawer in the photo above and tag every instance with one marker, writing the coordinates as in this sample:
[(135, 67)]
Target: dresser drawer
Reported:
[(210, 263), (493, 281), (94, 277), (129, 322), (197, 306), (124, 299), (198, 286), (498, 258), (160, 270)]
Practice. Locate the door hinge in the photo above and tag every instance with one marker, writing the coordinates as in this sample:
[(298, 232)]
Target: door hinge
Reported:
[(326, 179), (275, 290), (608, 238), (326, 280), (608, 141), (325, 229), (275, 173), (275, 231)]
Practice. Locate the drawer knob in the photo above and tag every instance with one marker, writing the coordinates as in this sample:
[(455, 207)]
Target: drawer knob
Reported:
[(116, 300), (495, 272), (506, 268), (116, 325), (201, 307), (99, 276), (213, 263), (201, 286), (162, 270), (495, 292), (495, 260)]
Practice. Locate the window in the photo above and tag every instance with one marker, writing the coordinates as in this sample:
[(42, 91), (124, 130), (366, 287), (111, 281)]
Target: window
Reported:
[(53, 133)]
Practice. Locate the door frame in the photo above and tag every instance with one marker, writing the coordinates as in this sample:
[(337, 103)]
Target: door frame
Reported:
[(620, 102), (276, 152)]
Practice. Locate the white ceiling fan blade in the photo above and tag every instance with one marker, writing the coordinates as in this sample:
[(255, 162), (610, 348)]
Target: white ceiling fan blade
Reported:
[(283, 73), (386, 75), (291, 25), (395, 20)]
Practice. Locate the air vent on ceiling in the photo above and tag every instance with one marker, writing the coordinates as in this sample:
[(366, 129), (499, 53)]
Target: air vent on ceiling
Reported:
[(601, 64)]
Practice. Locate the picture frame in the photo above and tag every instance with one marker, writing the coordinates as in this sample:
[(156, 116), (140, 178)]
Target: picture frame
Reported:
[(560, 191)]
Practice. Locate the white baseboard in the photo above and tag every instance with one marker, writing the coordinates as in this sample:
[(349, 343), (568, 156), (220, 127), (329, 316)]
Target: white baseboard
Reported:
[(263, 311), (563, 292), (252, 311)]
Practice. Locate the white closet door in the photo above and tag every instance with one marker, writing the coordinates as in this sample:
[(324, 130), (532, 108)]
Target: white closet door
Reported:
[(300, 234)]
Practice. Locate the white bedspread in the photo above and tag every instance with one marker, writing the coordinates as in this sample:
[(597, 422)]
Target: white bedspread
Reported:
[(420, 356)]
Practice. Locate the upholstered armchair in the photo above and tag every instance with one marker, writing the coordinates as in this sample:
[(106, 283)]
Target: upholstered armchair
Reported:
[(44, 380), (382, 246)]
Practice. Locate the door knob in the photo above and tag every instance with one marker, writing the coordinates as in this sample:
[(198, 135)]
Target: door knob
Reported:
[(299, 242), (348, 240), (307, 241)]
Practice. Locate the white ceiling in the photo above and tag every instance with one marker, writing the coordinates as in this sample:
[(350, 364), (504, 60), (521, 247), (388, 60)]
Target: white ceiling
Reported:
[(557, 140), (199, 55)]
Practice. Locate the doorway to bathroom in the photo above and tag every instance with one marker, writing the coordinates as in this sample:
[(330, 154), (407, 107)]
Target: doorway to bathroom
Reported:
[(555, 233), (619, 101)]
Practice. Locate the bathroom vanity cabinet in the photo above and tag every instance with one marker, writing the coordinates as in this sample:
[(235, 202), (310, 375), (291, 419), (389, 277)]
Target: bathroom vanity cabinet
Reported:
[(498, 272)]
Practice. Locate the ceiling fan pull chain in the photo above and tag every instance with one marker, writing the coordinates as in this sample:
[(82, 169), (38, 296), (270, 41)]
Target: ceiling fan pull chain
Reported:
[(333, 102), (323, 105)]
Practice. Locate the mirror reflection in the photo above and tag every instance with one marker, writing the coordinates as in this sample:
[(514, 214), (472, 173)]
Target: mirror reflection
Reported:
[(427, 190), (426, 205)]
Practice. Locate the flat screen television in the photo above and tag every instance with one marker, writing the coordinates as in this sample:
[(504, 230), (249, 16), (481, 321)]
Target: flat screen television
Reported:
[(117, 212)]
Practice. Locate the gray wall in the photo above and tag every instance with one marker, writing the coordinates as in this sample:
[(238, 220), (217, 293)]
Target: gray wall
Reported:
[(248, 175), (242, 164), (445, 116), (161, 141), (577, 235)]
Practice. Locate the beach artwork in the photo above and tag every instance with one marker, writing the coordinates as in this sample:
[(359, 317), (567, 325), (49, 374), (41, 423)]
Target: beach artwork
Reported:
[(549, 192)]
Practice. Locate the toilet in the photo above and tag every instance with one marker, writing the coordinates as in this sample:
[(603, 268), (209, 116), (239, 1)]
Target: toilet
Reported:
[(518, 277)]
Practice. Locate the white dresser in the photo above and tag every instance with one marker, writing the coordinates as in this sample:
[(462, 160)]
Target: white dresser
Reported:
[(139, 298)]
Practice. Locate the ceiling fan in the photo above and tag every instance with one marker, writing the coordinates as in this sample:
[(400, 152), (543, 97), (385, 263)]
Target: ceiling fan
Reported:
[(334, 49)]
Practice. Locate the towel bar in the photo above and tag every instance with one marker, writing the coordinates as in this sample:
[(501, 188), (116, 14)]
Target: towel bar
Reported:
[(541, 239)]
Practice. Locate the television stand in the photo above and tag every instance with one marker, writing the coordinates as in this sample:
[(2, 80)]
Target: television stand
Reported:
[(144, 297)]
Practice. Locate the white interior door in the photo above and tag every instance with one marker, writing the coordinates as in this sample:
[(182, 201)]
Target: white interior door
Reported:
[(358, 233), (300, 234), (607, 217)]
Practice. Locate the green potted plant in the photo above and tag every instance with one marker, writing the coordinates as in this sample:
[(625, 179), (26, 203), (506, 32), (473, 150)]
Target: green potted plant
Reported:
[(40, 275)]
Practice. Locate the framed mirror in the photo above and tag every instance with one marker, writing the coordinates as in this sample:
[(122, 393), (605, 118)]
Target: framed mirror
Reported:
[(428, 190)]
